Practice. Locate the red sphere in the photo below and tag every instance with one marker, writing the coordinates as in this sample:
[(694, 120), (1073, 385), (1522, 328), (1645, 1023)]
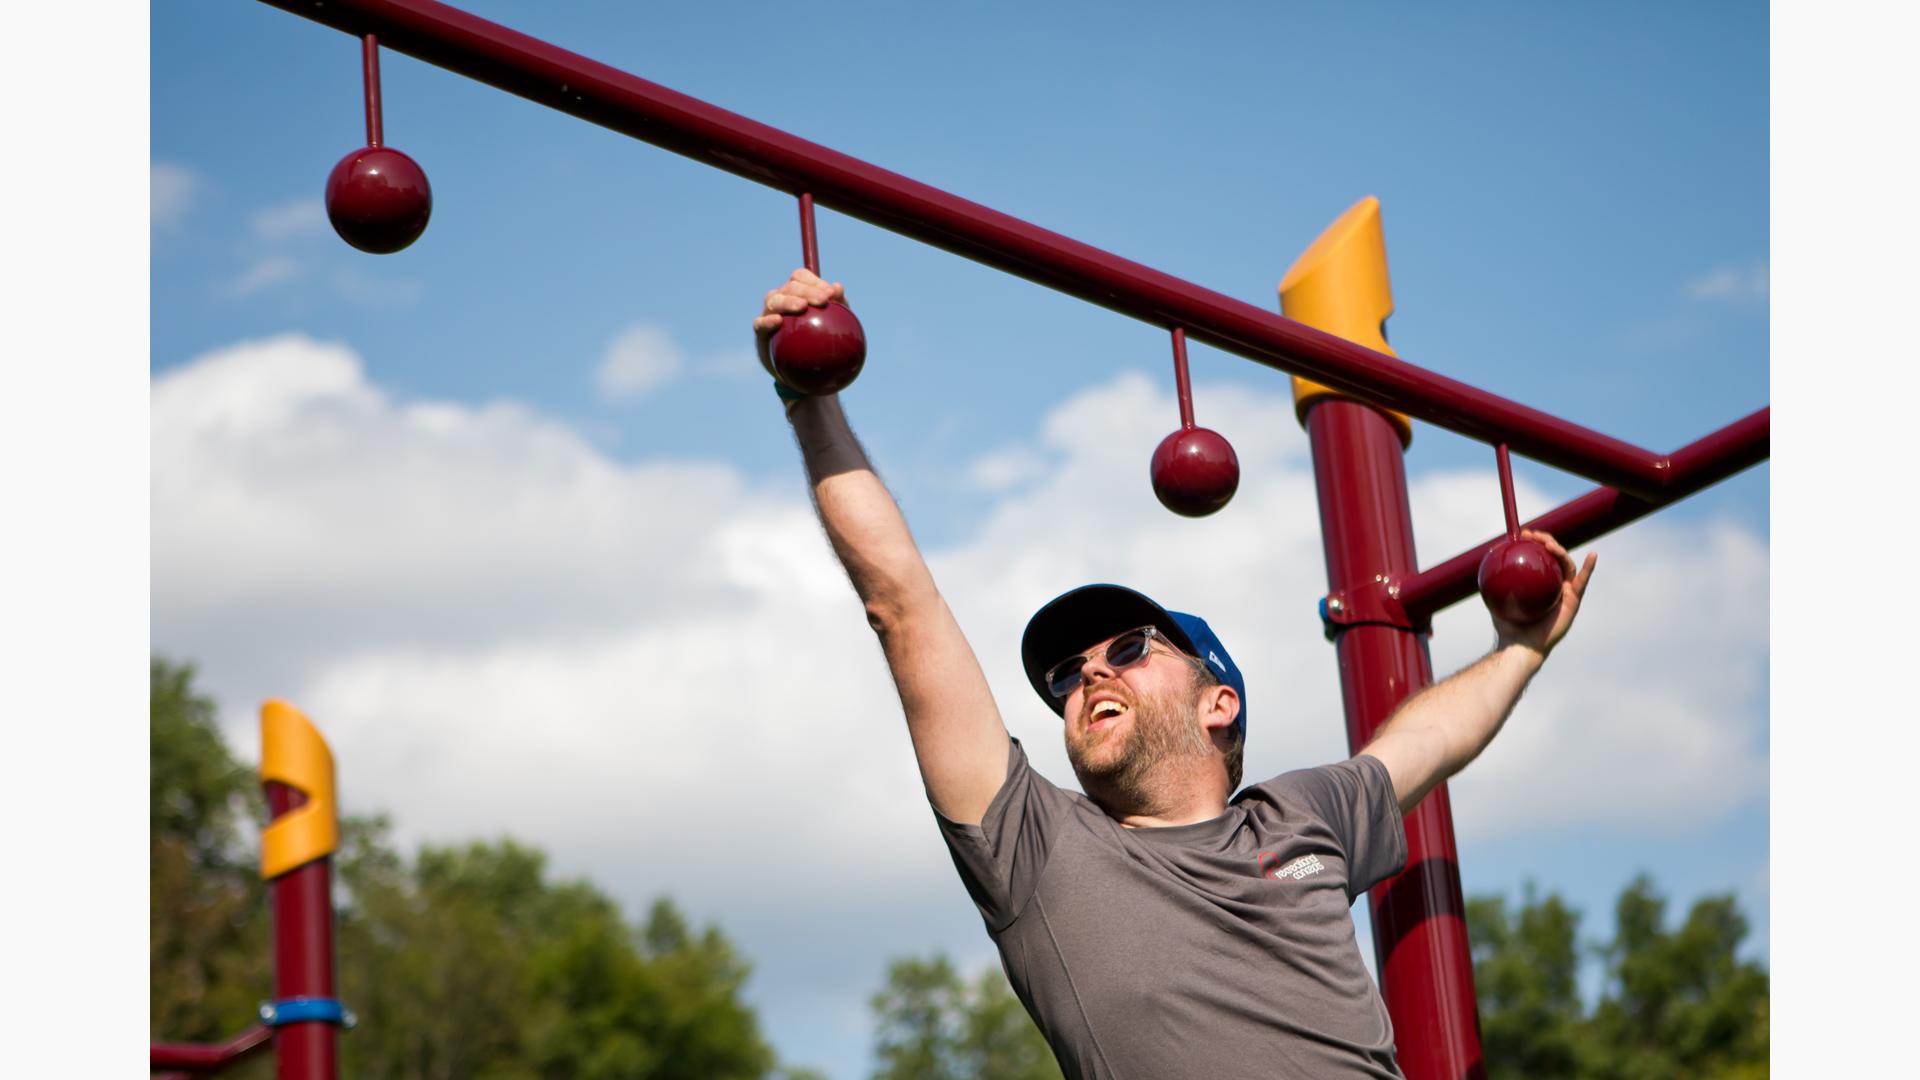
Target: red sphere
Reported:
[(1520, 581), (1195, 471), (819, 352), (378, 199)]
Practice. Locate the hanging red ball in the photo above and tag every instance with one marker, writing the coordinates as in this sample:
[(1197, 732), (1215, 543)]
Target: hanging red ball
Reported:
[(1195, 471), (1520, 581), (820, 352), (378, 199)]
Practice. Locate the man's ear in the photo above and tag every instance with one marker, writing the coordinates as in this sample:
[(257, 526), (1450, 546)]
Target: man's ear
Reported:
[(1219, 706)]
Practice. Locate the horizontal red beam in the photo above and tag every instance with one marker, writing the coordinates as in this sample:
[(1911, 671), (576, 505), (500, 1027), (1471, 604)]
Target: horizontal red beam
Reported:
[(206, 1057), (485, 51), (1740, 445)]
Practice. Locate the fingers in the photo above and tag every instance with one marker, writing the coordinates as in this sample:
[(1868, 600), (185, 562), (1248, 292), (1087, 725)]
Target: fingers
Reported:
[(1586, 574), (1546, 540), (801, 290), (782, 302), (809, 287)]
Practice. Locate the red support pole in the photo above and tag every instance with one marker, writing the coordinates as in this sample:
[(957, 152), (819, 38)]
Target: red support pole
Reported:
[(302, 832), (1419, 921), (1419, 917), (302, 955)]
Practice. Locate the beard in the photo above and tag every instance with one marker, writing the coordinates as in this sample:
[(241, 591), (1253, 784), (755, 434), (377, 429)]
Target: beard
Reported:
[(1163, 730)]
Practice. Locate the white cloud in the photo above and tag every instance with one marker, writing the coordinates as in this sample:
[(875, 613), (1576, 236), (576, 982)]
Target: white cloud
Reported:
[(1006, 468), (1731, 284), (300, 217), (171, 191), (261, 275), (642, 667), (640, 360), (429, 547)]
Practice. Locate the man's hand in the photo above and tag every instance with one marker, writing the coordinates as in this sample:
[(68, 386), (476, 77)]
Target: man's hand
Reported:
[(802, 290), (1542, 636), (1436, 732)]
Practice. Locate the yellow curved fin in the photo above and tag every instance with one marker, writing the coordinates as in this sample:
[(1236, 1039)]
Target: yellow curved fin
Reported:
[(1340, 285), (293, 753)]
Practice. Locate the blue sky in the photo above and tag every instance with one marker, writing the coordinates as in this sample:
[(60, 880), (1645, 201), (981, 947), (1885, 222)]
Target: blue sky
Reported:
[(398, 491)]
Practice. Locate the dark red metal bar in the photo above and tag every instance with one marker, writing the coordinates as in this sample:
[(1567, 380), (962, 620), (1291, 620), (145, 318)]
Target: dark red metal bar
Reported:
[(302, 954), (809, 238), (482, 50), (370, 76), (1698, 465), (1419, 923), (1505, 463), (1182, 384), (207, 1057)]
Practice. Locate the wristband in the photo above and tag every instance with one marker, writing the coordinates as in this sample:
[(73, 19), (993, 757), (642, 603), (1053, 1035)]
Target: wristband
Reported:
[(787, 394)]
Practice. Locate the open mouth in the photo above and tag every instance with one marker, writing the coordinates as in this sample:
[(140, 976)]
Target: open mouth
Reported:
[(1104, 713)]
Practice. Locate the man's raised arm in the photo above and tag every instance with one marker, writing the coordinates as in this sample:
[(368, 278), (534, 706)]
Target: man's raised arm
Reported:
[(1436, 732), (958, 736)]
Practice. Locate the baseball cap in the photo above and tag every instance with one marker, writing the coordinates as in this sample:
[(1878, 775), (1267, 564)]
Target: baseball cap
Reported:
[(1075, 621)]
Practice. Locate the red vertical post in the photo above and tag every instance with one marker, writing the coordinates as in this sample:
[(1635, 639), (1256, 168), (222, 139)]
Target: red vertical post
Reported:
[(1419, 917), (303, 831), (302, 955)]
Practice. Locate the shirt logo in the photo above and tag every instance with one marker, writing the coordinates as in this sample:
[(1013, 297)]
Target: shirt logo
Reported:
[(1297, 869)]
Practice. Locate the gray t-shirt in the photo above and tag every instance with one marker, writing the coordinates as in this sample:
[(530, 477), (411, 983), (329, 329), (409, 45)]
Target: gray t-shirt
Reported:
[(1217, 950)]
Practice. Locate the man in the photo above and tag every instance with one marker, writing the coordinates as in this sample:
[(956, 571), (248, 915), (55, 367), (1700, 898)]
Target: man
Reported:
[(1153, 928)]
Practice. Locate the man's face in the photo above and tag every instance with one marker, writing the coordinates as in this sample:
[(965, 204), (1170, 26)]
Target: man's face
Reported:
[(1120, 726)]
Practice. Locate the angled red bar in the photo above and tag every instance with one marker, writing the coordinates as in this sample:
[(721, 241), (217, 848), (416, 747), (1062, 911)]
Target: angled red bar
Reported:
[(573, 84), (207, 1057), (1698, 465)]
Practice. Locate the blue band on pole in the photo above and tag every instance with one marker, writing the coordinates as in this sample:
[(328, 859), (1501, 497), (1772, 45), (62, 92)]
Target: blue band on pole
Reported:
[(303, 1010)]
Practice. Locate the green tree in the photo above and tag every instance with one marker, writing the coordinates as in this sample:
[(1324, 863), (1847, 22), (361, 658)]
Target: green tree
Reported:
[(934, 1025), (1525, 967), (471, 964), (1679, 1002), (1676, 1003), (209, 955)]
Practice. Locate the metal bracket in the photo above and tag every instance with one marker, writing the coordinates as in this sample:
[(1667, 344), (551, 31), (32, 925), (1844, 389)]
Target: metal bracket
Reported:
[(302, 1010), (1373, 603)]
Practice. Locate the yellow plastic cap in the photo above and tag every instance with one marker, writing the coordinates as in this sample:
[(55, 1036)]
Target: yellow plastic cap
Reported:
[(293, 753), (1340, 285)]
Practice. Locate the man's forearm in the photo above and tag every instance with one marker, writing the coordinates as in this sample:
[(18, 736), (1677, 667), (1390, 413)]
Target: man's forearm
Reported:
[(1461, 714), (862, 521)]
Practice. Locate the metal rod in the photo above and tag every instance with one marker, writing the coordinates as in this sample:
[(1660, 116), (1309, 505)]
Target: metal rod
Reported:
[(1698, 465), (206, 1057), (482, 50), (370, 76), (1506, 490), (1181, 384), (809, 239)]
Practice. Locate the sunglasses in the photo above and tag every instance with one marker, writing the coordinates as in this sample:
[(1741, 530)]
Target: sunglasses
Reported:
[(1125, 651)]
